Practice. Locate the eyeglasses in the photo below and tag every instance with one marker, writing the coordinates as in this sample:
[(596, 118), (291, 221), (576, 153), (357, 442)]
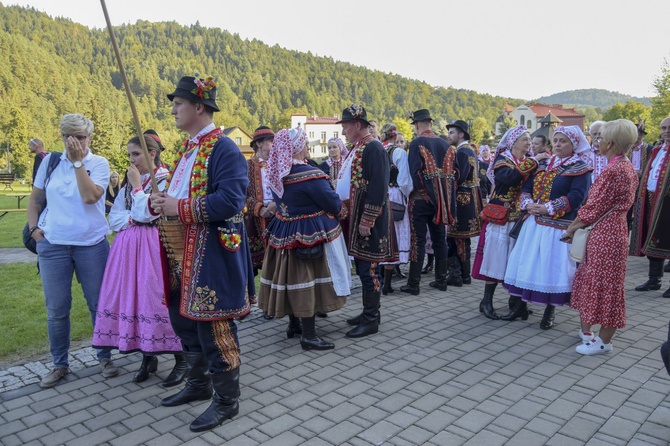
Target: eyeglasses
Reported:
[(79, 137)]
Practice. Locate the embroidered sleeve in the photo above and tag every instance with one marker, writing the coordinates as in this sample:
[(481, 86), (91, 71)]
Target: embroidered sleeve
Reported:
[(524, 200), (192, 210), (370, 214), (528, 166), (558, 207)]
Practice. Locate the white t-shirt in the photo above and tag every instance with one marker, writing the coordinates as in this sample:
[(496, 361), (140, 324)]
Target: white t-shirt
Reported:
[(67, 220)]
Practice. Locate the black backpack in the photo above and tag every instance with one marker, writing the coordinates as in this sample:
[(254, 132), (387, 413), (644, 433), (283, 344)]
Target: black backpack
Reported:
[(28, 241)]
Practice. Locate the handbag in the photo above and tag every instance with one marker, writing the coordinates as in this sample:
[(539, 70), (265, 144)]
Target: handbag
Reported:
[(496, 213), (310, 252), (41, 202), (579, 240), (398, 210), (516, 229)]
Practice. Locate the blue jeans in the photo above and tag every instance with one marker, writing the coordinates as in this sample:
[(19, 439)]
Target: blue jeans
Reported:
[(57, 265)]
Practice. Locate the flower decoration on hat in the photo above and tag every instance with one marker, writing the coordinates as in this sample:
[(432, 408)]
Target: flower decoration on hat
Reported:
[(356, 111), (410, 116), (203, 87)]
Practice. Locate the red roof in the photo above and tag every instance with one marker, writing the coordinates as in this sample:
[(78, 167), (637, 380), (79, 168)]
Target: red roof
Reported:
[(508, 108), (557, 110), (322, 120)]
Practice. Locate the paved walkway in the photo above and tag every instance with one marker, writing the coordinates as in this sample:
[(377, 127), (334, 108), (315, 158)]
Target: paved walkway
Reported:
[(438, 373), (17, 255)]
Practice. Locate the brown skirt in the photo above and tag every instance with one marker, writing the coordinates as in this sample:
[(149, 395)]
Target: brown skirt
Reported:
[(294, 286)]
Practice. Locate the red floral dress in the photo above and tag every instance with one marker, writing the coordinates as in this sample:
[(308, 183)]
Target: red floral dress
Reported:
[(598, 291)]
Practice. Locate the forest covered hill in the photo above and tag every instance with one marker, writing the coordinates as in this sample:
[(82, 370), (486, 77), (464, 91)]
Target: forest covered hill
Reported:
[(52, 66), (592, 97)]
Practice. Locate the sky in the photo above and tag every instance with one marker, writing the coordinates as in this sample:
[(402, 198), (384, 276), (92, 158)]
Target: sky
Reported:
[(510, 48)]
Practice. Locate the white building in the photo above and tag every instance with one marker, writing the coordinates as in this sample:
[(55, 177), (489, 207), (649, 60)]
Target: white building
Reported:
[(319, 130)]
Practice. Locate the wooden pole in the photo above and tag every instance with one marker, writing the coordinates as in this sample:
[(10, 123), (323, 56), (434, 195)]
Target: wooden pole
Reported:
[(129, 94)]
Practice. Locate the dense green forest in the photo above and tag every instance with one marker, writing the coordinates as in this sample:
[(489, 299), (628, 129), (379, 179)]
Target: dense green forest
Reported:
[(49, 67), (592, 97)]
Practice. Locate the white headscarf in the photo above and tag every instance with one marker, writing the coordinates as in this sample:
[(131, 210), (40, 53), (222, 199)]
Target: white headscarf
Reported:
[(505, 148), (576, 137)]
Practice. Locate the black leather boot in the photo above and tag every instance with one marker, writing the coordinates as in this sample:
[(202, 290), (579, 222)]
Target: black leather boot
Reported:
[(198, 384), (149, 366), (465, 272), (413, 279), (455, 278), (440, 281), (388, 275), (357, 320), (370, 321), (486, 305), (655, 275), (309, 339), (520, 310), (429, 266), (398, 272), (548, 318), (294, 327), (225, 403), (178, 372)]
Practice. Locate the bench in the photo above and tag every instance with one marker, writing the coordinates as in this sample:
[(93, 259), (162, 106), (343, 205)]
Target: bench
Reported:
[(4, 212), (7, 179)]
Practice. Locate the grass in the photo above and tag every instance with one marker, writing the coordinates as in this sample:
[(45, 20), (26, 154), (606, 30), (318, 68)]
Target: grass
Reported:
[(24, 317), (11, 225)]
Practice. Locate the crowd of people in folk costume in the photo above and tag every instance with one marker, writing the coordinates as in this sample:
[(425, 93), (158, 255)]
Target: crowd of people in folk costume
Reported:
[(182, 267)]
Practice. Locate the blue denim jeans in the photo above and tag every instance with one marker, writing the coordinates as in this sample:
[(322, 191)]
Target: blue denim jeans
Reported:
[(57, 265)]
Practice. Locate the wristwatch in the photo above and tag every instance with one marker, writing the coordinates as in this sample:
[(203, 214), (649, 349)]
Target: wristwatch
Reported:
[(77, 164)]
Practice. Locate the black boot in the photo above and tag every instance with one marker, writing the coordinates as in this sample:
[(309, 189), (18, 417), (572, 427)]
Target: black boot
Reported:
[(309, 339), (149, 366), (357, 320), (465, 272), (294, 327), (520, 310), (440, 281), (414, 278), (225, 403), (548, 318), (655, 274), (398, 272), (429, 266), (388, 275), (178, 372), (198, 384), (371, 316), (455, 279), (486, 305)]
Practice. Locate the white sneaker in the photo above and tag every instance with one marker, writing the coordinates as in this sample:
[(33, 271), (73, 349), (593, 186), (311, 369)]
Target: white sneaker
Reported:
[(594, 347), (586, 337)]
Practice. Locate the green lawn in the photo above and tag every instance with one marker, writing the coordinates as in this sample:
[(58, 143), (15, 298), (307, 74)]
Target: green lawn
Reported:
[(24, 317), (11, 225)]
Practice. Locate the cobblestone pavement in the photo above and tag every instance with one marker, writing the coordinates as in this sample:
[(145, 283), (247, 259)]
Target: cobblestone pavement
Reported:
[(438, 373)]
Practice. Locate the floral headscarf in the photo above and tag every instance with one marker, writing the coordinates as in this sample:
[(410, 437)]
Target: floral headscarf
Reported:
[(576, 137), (343, 150), (286, 144), (505, 148), (482, 149)]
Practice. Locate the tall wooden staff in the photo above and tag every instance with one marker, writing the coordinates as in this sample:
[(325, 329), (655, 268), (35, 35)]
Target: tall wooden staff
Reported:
[(129, 94)]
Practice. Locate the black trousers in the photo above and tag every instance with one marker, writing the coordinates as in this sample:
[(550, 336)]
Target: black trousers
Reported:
[(217, 340), (422, 214)]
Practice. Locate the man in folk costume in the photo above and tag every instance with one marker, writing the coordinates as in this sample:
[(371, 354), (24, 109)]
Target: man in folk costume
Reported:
[(431, 166), (651, 216), (593, 157), (208, 275), (261, 207), (467, 222), (363, 185)]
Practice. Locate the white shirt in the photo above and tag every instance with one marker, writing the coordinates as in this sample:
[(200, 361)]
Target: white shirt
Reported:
[(67, 220), (180, 183), (652, 181), (404, 179), (267, 191), (119, 216)]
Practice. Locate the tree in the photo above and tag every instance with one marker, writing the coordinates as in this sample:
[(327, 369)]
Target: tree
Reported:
[(507, 123), (660, 104), (631, 110), (405, 127), (479, 128)]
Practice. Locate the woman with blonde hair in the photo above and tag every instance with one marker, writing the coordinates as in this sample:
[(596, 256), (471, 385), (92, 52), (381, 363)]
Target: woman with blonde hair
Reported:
[(112, 191), (598, 292)]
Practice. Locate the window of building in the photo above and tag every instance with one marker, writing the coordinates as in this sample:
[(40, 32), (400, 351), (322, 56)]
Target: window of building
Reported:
[(238, 141), (530, 124), (323, 137), (336, 134), (522, 121), (311, 135)]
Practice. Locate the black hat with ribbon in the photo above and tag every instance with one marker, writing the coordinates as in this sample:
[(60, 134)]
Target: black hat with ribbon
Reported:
[(202, 91), (354, 113), (420, 115)]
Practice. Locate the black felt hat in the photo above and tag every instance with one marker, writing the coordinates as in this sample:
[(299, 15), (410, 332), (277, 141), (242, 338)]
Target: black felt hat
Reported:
[(462, 126), (354, 113), (202, 91), (261, 133), (420, 115)]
